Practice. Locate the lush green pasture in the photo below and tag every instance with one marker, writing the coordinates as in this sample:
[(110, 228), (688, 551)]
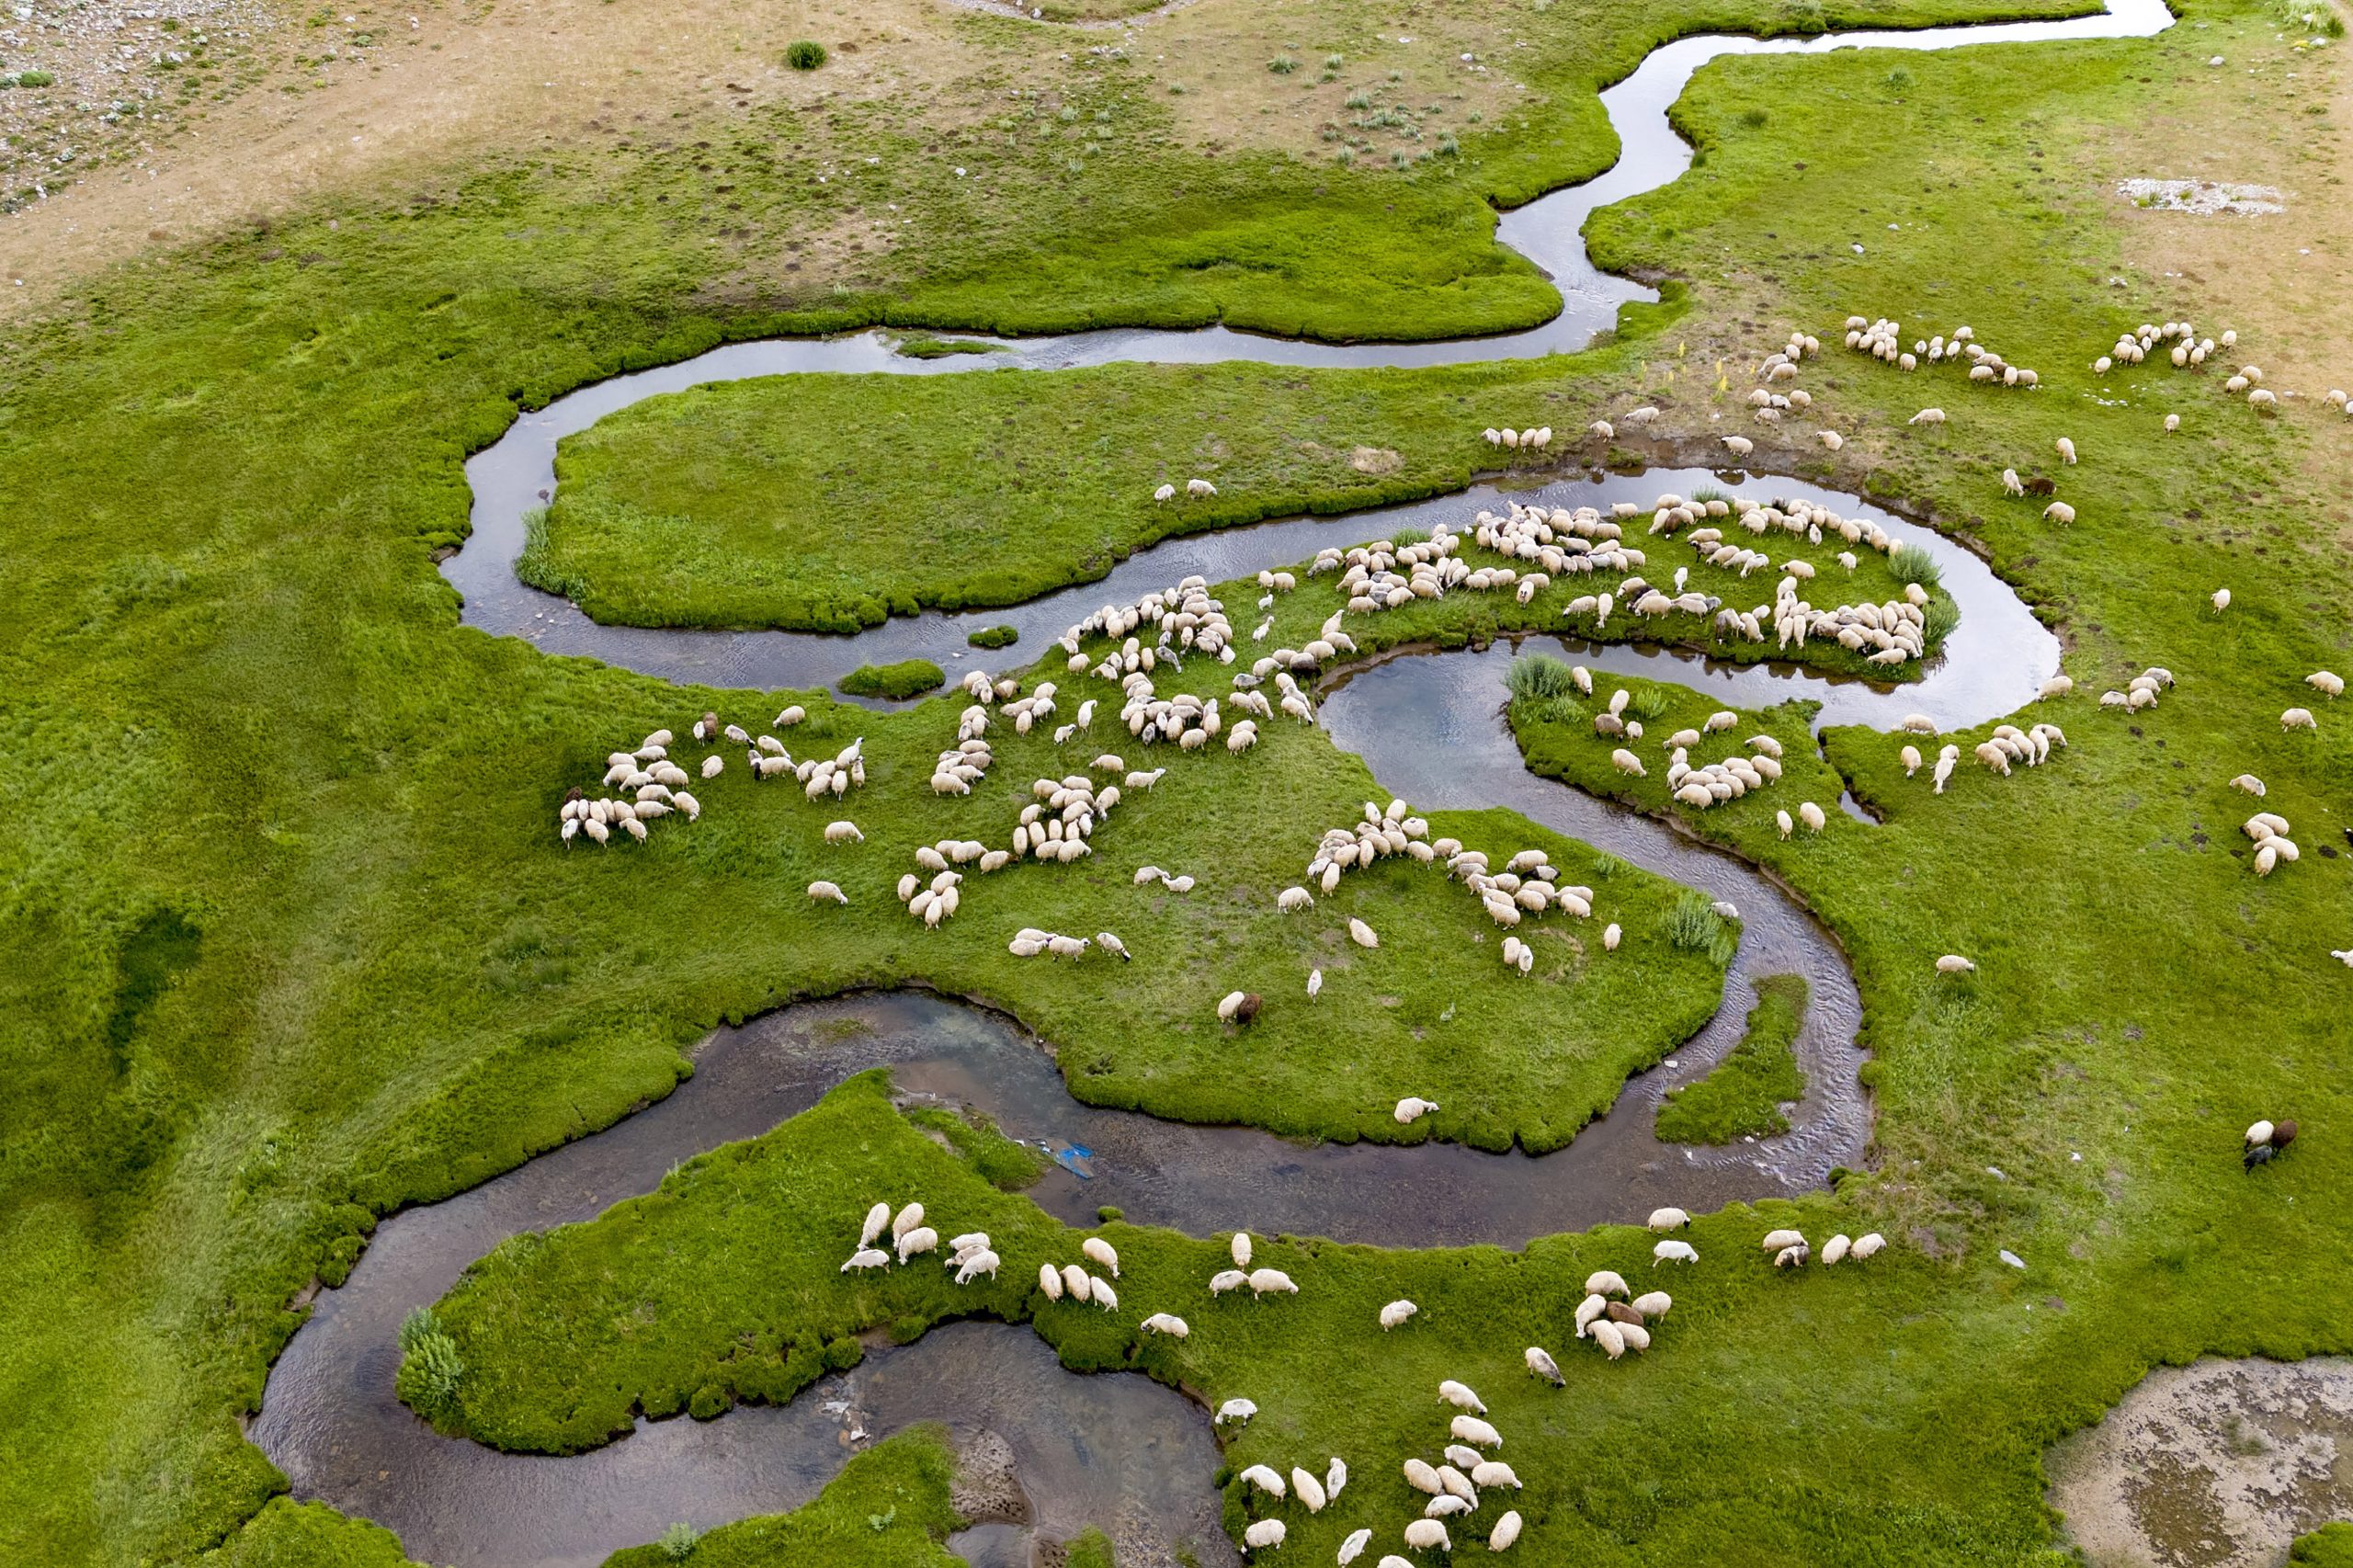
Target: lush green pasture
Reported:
[(889, 1509), (829, 502), (295, 943), (1744, 1094)]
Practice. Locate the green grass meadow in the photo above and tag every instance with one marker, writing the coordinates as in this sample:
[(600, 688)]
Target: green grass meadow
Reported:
[(294, 942)]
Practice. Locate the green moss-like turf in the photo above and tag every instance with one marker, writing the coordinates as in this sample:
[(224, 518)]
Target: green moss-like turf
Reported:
[(2331, 1546), (1743, 1095), (888, 1508), (908, 677), (993, 637)]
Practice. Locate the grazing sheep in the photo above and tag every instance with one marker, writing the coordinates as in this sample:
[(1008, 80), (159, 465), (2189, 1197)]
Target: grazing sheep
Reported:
[(1412, 1109), (1315, 983), (2222, 600), (1832, 439), (1200, 488), (876, 1218), (820, 891), (1494, 1472), (1611, 1336), (1776, 1239), (1240, 1248), (1507, 1529), (1309, 1490), (1672, 1250), (1866, 1246), (2057, 685), (1265, 1479), (1098, 1250), (1605, 1283), (1953, 963), (1353, 1548), (1812, 816), (1927, 417), (1361, 934), (1834, 1249), (843, 832), (1265, 1280), (1610, 936), (981, 1262), (1539, 1361), (1227, 1279), (1230, 1005), (1459, 1395), (1470, 1429), (1264, 1532), (2326, 684), (1396, 1312), (1668, 1219), (2298, 718), (1424, 1535), (1049, 1280), (1236, 1410), (1335, 1476), (1076, 1281), (923, 1238), (2065, 449), (1651, 1304), (1422, 1478), (866, 1258)]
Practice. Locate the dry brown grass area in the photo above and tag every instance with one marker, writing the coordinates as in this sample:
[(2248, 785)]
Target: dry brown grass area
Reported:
[(2285, 281), (460, 84)]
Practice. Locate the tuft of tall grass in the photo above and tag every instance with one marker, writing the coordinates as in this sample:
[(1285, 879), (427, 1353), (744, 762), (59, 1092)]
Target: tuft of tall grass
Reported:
[(1912, 563), (1538, 677)]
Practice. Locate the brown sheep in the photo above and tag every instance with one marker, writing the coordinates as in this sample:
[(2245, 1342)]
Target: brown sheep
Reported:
[(2041, 486)]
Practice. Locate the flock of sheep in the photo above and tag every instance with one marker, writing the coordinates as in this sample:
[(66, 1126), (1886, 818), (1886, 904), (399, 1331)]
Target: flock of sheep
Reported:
[(970, 1256), (1611, 1316)]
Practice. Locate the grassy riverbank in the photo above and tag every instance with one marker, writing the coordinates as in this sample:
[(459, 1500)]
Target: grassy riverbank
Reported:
[(1743, 1095), (295, 943)]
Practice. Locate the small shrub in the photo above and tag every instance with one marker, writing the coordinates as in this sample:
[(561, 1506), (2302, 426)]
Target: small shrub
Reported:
[(1938, 621), (804, 54), (33, 79), (1539, 677), (994, 636), (1176, 89), (678, 1542), (1898, 80), (1334, 62), (1359, 99), (909, 678), (419, 1325), (1911, 563), (1754, 119), (1282, 65), (1447, 145), (1648, 705), (1345, 155), (709, 1402), (1401, 538), (431, 1368), (1694, 925), (1606, 866)]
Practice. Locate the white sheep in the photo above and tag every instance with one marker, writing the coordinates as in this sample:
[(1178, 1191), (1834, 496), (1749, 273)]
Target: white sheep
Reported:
[(1927, 417), (1674, 1251), (843, 832), (866, 1258), (1200, 488), (1812, 816), (1227, 1279), (1424, 1535), (1412, 1109), (1953, 963), (1506, 1530), (1361, 934), (1265, 1478), (2221, 599), (981, 1262), (1353, 1548), (2298, 718), (1396, 1312), (923, 1238), (1236, 1410), (2328, 684), (1309, 1490), (1264, 1532), (821, 892), (1098, 1250), (1049, 1280), (1459, 1396), (1470, 1429)]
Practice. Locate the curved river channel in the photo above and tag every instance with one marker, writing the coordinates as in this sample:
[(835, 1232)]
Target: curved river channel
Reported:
[(1120, 1453)]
